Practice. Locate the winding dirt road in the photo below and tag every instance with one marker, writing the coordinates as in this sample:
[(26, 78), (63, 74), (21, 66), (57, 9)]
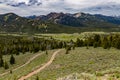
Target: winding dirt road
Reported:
[(31, 59), (40, 68)]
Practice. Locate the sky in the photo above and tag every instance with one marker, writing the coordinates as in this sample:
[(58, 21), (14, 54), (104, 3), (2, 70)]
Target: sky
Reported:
[(42, 7)]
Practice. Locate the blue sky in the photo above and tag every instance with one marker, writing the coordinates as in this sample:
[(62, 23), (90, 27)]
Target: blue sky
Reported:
[(38, 7)]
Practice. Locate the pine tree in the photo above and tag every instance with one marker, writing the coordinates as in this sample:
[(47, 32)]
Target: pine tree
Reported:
[(12, 60), (73, 47), (46, 52), (60, 44), (1, 62), (97, 38), (37, 78), (117, 44), (95, 45), (10, 71), (79, 43), (67, 51), (105, 43), (6, 66)]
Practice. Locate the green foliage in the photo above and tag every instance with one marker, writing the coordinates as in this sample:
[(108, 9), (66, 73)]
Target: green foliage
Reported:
[(23, 44), (79, 43), (6, 18), (15, 52), (12, 60), (103, 40), (68, 48), (1, 62), (6, 66), (95, 45), (46, 52), (38, 61), (117, 43), (67, 51), (11, 72), (26, 44), (37, 78)]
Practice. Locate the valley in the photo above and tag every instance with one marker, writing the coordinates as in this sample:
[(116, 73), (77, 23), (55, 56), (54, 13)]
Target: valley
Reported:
[(59, 39), (83, 60)]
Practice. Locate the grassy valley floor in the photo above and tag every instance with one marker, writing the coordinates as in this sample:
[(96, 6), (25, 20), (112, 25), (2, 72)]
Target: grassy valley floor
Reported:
[(81, 60), (94, 62)]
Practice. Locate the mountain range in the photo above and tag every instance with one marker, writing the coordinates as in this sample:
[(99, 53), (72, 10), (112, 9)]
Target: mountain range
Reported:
[(58, 23), (78, 19)]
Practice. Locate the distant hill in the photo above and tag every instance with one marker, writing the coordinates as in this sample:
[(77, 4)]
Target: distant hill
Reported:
[(11, 22), (58, 23)]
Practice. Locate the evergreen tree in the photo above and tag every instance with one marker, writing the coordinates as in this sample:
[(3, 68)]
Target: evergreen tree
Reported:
[(60, 44), (79, 43), (46, 52), (117, 44), (97, 38), (73, 47), (6, 66), (37, 78), (1, 62), (10, 71), (87, 47), (12, 60), (67, 51), (95, 45), (106, 45), (15, 52)]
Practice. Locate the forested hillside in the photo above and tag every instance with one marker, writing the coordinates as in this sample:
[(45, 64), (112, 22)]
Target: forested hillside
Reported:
[(57, 23)]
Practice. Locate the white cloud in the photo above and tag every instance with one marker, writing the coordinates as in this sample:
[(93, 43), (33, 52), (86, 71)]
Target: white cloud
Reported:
[(52, 6), (14, 1), (17, 1)]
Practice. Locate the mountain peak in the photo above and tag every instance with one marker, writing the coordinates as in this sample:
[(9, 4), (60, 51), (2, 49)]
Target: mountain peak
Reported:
[(10, 14), (76, 15), (54, 15), (12, 22), (77, 19)]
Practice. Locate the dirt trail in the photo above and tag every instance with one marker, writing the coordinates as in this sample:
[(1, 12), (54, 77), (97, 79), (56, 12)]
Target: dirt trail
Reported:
[(31, 59), (40, 68)]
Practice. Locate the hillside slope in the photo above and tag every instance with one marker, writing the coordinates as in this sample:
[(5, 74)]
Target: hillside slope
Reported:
[(11, 22), (79, 19), (57, 23)]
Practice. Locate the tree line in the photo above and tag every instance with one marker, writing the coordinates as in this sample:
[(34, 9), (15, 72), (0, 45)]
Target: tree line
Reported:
[(106, 41), (15, 45), (10, 45)]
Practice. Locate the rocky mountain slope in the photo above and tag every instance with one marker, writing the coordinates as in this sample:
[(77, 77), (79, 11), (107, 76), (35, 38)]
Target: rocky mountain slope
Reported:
[(58, 23), (79, 19)]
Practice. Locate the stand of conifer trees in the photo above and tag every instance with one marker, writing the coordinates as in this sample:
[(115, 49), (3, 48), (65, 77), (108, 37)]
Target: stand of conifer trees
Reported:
[(14, 45)]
